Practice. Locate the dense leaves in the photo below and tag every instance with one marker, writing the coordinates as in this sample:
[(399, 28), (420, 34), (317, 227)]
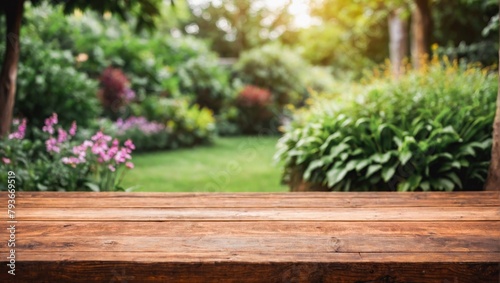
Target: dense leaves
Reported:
[(49, 82), (431, 130)]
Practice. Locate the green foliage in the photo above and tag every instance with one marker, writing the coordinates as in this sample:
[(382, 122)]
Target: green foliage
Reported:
[(352, 35), (227, 121), (144, 11), (149, 63), (208, 82), (430, 130), (276, 68), (148, 60), (34, 171), (187, 125), (49, 82), (319, 79), (464, 29)]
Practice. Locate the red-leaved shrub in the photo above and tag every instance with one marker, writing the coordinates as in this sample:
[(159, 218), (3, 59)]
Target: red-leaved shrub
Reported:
[(114, 92), (256, 109)]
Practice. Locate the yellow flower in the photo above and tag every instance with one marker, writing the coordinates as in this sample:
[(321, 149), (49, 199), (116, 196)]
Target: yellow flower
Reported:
[(434, 47)]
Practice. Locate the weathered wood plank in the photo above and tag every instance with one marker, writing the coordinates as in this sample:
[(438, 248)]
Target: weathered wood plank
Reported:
[(318, 237), (264, 257), (257, 202), (117, 271), (249, 245), (259, 214), (370, 195), (35, 229)]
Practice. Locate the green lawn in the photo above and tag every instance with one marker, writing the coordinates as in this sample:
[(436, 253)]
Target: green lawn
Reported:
[(241, 164)]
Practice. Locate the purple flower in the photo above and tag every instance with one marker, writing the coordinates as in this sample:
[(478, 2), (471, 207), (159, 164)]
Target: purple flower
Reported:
[(129, 95), (73, 161), (129, 165), (21, 130), (51, 145), (111, 168), (122, 156), (140, 123), (62, 135), (72, 130), (129, 145), (49, 124), (101, 137)]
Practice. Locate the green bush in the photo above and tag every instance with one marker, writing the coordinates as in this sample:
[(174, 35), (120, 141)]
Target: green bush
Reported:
[(208, 82), (430, 130), (186, 124), (319, 79), (48, 82), (148, 59), (276, 68)]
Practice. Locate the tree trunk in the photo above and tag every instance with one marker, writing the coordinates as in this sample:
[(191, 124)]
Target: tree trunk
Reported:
[(421, 25), (398, 45), (493, 180), (8, 75)]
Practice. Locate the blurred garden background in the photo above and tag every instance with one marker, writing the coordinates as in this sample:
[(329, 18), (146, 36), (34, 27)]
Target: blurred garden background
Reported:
[(248, 95)]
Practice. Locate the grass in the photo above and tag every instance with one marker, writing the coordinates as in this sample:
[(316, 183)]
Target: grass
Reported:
[(241, 164)]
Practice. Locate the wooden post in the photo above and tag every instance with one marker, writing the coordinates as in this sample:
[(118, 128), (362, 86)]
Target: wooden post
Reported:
[(493, 180), (8, 75), (421, 31), (398, 45)]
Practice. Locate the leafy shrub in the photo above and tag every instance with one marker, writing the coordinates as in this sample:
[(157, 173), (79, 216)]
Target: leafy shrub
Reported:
[(256, 111), (206, 80), (114, 92), (276, 68), (319, 79), (48, 82), (430, 130), (227, 121), (54, 161), (186, 125), (148, 59)]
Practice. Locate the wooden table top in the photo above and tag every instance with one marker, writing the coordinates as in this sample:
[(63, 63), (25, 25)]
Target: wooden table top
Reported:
[(277, 236)]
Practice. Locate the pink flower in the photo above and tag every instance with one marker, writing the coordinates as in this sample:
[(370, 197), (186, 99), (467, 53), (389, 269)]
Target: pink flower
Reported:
[(21, 130), (99, 136), (72, 130), (113, 150), (6, 160), (122, 156), (129, 165), (62, 135), (111, 168), (129, 145), (73, 161), (51, 145), (49, 124)]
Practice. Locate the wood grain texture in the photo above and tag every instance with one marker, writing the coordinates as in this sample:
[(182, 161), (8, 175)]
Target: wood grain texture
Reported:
[(257, 202), (260, 214), (311, 195), (255, 237), (348, 272)]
